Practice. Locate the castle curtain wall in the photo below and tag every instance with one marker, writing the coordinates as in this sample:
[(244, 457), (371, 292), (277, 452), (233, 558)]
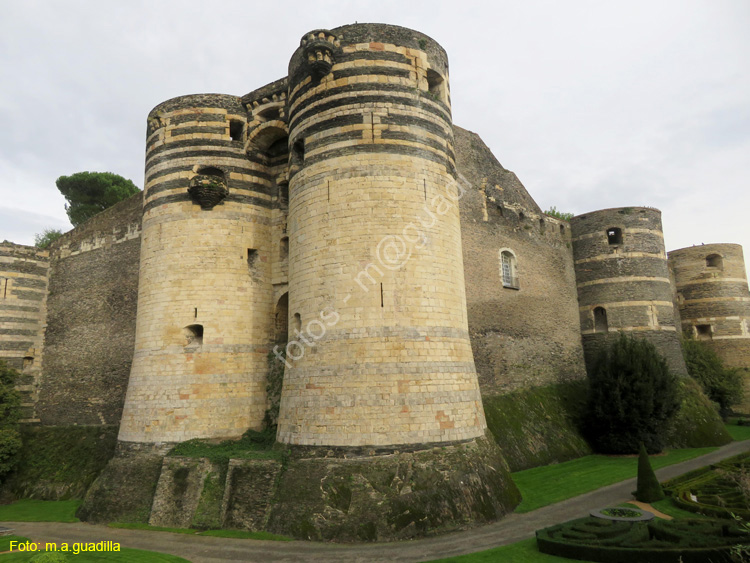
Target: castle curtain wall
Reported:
[(524, 330), (88, 344)]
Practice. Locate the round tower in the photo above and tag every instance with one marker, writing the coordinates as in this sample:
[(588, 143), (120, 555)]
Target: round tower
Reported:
[(376, 282), (713, 297), (623, 280), (379, 367), (204, 297)]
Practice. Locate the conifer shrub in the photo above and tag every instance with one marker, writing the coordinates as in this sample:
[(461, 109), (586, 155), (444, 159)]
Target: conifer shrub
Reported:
[(632, 398), (648, 489)]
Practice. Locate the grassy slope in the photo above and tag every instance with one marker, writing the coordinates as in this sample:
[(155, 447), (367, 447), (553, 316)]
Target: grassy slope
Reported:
[(738, 433), (520, 552), (542, 486)]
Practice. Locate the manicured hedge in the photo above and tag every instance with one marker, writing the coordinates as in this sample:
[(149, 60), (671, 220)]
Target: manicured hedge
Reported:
[(657, 541)]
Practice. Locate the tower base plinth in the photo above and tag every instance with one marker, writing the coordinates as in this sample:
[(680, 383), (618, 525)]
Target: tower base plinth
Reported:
[(332, 494)]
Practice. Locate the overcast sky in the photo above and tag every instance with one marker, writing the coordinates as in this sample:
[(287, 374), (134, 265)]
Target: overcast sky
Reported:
[(593, 104)]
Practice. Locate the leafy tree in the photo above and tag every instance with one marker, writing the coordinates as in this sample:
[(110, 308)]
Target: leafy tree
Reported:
[(722, 385), (89, 193), (553, 212), (632, 398), (47, 237), (10, 413)]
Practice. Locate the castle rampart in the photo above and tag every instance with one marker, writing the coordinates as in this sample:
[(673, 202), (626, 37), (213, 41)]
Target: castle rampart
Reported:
[(88, 345), (520, 281), (623, 280)]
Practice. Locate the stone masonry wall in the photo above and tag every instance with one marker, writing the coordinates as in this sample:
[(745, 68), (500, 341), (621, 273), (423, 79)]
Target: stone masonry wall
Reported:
[(91, 318), (527, 335), (23, 301)]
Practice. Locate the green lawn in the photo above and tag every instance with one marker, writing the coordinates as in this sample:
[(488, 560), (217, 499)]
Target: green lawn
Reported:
[(520, 552), (30, 510), (546, 485), (5, 541), (738, 433), (126, 555)]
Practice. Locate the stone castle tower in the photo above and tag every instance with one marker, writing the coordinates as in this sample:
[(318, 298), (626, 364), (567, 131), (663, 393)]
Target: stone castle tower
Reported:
[(623, 280), (713, 298), (203, 308), (375, 246)]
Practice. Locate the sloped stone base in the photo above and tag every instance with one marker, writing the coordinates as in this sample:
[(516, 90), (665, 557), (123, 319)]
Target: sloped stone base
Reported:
[(339, 495)]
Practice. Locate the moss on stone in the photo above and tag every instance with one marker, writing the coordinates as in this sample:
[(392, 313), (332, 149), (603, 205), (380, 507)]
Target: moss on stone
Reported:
[(697, 423), (124, 491), (208, 513), (393, 496), (58, 463), (538, 426)]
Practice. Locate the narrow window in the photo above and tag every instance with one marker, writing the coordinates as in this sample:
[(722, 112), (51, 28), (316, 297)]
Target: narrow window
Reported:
[(562, 230), (282, 318), (235, 129), (298, 151), (435, 84), (297, 324), (521, 216), (284, 248), (714, 261), (614, 236), (193, 335), (252, 257), (541, 225), (703, 332), (508, 269), (284, 195), (600, 320)]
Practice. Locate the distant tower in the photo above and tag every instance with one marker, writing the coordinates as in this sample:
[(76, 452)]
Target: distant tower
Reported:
[(376, 281), (204, 299), (713, 298), (623, 280)]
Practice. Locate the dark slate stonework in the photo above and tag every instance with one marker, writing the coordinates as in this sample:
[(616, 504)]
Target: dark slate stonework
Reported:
[(91, 321), (526, 337)]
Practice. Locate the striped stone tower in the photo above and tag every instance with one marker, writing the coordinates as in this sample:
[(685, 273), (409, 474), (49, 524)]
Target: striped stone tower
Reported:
[(204, 298), (623, 280), (380, 368), (24, 272), (713, 298), (376, 282)]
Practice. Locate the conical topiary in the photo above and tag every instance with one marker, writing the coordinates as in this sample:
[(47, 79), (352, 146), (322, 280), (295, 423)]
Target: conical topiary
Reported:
[(649, 489)]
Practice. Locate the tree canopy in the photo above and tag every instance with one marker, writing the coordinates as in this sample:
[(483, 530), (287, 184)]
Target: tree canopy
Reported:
[(632, 398), (722, 385), (46, 237), (89, 193)]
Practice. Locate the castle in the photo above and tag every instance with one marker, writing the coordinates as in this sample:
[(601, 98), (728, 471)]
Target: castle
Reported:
[(338, 223)]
